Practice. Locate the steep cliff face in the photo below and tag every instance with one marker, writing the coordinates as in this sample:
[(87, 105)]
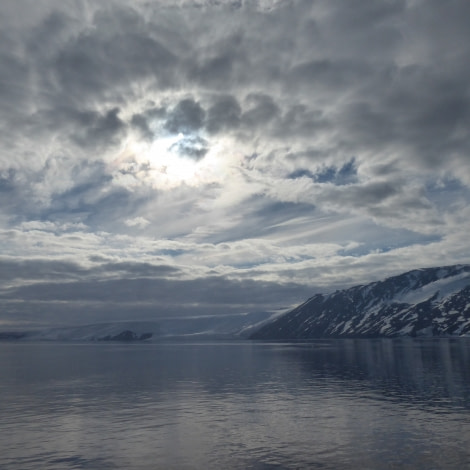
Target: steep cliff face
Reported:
[(422, 302)]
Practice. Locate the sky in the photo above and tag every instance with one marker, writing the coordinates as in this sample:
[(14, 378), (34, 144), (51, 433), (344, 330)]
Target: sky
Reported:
[(211, 157)]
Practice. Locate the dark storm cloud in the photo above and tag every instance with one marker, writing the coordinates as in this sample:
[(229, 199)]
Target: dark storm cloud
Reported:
[(326, 75), (117, 50), (353, 52), (255, 111), (62, 68), (98, 128), (215, 71), (45, 36), (224, 64), (223, 115), (366, 26), (262, 109), (186, 117), (419, 107), (403, 87), (226, 114)]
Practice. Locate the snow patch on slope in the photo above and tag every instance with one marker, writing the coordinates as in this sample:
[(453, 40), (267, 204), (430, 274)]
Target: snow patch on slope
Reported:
[(445, 287)]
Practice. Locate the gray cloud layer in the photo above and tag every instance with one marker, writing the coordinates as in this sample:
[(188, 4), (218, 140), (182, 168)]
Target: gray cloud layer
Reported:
[(270, 147)]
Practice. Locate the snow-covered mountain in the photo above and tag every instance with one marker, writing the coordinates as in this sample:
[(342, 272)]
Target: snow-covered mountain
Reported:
[(422, 302)]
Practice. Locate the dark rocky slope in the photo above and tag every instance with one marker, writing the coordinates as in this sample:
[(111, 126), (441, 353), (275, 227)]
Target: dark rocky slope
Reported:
[(422, 302)]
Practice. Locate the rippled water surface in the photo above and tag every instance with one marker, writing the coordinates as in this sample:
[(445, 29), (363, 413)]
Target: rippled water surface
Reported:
[(343, 404)]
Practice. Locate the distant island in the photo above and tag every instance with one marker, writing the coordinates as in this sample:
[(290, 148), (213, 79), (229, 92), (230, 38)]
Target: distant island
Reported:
[(6, 335), (127, 336), (422, 302)]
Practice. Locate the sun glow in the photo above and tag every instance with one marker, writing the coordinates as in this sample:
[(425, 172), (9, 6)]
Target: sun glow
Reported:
[(165, 160), (170, 161)]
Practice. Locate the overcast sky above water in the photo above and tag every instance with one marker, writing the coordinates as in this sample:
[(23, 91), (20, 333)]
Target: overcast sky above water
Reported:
[(212, 157)]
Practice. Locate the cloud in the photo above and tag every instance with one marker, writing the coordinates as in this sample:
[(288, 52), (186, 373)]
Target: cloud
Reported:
[(346, 174), (223, 115), (285, 144), (187, 116), (127, 290), (137, 222), (98, 128), (262, 110), (191, 147), (117, 49)]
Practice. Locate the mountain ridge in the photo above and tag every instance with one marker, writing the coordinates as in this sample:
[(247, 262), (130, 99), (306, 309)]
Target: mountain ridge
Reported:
[(421, 302)]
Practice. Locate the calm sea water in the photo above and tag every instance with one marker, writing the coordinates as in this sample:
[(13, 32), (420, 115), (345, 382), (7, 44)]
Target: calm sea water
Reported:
[(344, 404)]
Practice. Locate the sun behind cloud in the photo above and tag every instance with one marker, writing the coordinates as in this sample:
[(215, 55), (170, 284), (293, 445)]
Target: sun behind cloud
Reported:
[(172, 160), (173, 167)]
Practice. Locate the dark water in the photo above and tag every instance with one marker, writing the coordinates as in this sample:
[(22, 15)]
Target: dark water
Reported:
[(346, 404)]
